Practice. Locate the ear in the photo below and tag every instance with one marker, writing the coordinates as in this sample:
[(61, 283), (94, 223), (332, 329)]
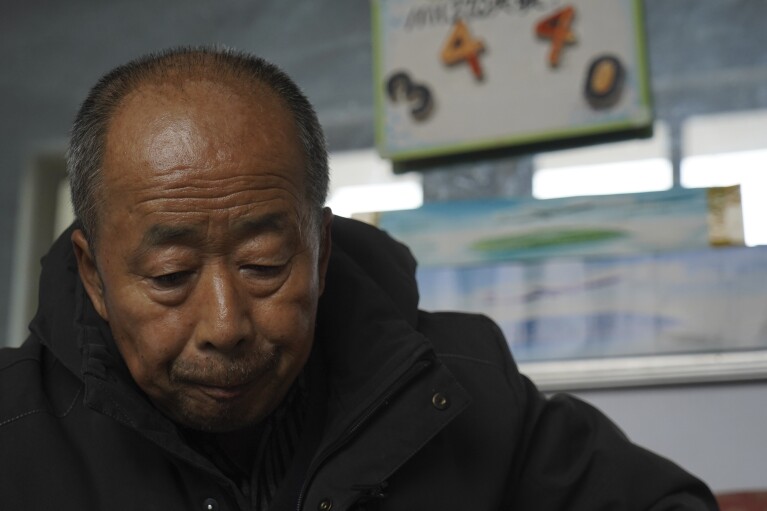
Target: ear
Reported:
[(325, 243), (89, 273)]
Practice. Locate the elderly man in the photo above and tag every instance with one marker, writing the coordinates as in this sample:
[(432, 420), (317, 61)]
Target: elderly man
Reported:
[(209, 337)]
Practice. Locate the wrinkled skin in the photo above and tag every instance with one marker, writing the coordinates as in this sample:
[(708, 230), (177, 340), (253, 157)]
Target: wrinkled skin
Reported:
[(201, 266)]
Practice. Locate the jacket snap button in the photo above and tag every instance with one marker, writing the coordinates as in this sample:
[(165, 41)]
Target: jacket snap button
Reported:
[(210, 505), (325, 505), (439, 401)]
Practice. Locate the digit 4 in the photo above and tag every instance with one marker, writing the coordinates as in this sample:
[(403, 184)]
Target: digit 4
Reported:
[(557, 28), (461, 46)]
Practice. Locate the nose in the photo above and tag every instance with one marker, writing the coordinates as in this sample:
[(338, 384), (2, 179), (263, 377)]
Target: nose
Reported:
[(223, 322)]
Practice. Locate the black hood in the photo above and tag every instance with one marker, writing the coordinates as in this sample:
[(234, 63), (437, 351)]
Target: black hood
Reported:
[(366, 344), (386, 262), (371, 281), (65, 315)]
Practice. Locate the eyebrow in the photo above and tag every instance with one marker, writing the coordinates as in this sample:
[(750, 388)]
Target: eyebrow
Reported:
[(160, 235), (251, 226)]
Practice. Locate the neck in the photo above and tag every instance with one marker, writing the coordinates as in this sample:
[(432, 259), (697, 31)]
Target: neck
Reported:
[(240, 446), (232, 451)]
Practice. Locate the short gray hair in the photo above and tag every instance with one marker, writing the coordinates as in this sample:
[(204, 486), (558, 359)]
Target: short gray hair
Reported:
[(88, 137)]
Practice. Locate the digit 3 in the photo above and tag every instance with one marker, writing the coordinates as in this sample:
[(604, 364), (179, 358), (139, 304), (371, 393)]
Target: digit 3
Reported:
[(399, 87), (421, 102)]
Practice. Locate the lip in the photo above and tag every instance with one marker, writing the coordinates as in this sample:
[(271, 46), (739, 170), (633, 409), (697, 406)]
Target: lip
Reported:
[(223, 393)]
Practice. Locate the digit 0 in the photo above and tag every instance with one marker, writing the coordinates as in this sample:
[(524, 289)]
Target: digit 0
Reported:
[(604, 81)]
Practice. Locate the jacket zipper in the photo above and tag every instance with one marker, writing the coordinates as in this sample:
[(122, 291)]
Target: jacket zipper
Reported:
[(417, 368)]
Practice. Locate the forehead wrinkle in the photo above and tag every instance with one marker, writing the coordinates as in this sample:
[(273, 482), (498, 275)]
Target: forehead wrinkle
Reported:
[(187, 176), (182, 206), (211, 187)]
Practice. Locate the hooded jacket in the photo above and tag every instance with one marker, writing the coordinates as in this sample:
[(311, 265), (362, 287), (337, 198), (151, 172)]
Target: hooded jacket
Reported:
[(423, 411)]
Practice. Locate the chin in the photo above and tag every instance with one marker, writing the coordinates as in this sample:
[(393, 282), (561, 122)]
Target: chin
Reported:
[(222, 421), (213, 415)]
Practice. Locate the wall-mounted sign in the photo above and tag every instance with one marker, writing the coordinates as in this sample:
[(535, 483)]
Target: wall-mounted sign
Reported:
[(453, 76)]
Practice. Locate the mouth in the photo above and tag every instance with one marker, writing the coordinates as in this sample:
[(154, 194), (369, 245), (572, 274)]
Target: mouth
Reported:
[(223, 392), (223, 382)]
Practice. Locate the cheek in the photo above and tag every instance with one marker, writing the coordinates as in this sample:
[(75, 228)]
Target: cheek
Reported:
[(288, 318), (148, 336)]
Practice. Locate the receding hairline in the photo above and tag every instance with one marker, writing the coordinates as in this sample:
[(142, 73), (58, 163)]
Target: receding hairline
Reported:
[(187, 63), (159, 81), (182, 69), (246, 74), (249, 92), (160, 90)]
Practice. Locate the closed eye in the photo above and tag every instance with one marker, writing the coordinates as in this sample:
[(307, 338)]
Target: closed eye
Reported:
[(264, 271), (171, 280)]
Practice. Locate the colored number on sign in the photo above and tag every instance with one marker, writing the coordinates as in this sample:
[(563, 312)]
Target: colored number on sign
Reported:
[(400, 87), (461, 46), (604, 81), (557, 28)]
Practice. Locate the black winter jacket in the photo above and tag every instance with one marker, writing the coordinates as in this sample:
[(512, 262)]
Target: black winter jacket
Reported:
[(426, 411)]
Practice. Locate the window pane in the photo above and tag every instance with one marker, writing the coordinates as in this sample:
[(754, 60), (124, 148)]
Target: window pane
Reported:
[(362, 182), (728, 149), (608, 178), (749, 170), (632, 166)]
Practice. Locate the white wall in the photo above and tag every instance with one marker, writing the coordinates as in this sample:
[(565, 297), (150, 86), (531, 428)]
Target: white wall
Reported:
[(718, 432)]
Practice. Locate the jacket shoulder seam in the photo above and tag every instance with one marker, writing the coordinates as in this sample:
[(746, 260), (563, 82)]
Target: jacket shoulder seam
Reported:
[(509, 366), (470, 359), (44, 410), (21, 416), (19, 361)]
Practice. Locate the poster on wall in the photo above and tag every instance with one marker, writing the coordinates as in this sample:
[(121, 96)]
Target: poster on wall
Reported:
[(460, 233), (647, 304), (454, 76)]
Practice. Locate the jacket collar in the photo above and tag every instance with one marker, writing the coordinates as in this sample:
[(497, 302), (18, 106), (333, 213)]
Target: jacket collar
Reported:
[(367, 333), (382, 370)]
